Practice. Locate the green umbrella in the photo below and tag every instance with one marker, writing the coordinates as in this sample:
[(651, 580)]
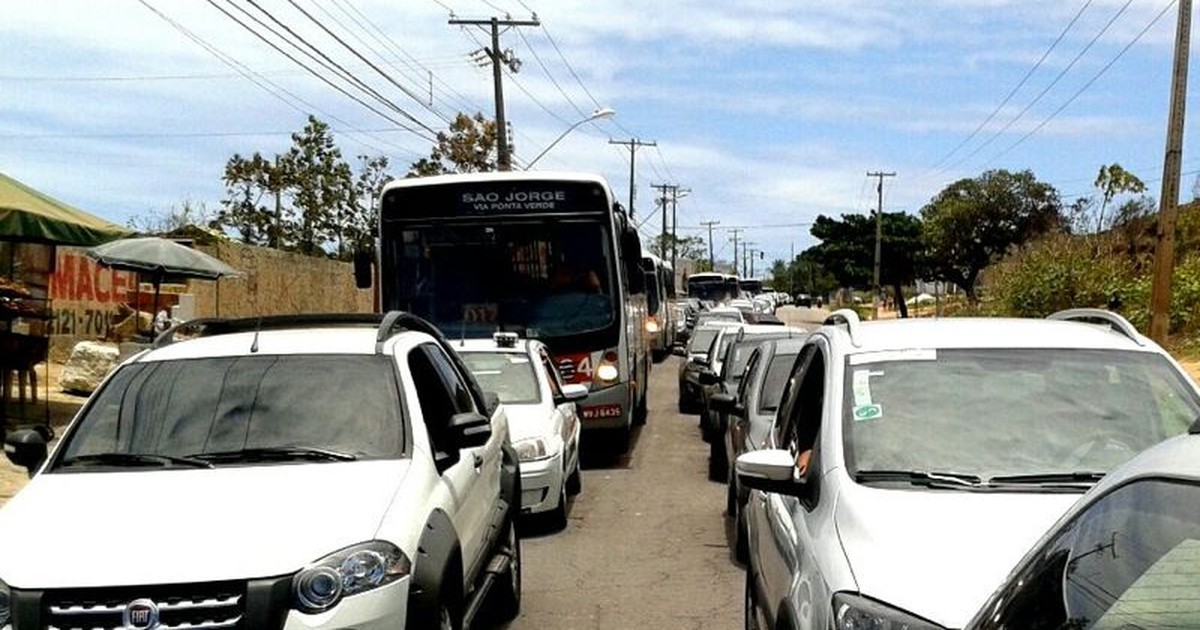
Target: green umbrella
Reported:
[(159, 257), (30, 216)]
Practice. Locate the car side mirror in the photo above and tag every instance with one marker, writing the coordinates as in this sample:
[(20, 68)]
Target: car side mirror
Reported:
[(679, 351), (572, 393), (26, 448), (364, 260), (701, 359), (769, 470), (708, 377), (726, 403), (470, 429)]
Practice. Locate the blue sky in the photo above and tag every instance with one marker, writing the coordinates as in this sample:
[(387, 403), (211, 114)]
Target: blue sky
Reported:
[(770, 111)]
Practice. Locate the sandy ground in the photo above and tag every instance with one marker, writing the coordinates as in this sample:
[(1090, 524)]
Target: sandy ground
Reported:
[(61, 409)]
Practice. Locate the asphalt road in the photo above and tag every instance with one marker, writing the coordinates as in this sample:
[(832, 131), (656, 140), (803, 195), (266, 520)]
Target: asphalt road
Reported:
[(647, 541)]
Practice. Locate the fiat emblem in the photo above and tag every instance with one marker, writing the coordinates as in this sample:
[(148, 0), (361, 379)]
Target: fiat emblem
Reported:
[(140, 614)]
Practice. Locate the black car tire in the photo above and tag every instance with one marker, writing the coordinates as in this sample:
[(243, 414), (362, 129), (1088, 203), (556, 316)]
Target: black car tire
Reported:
[(506, 593), (751, 602), (575, 481), (718, 468)]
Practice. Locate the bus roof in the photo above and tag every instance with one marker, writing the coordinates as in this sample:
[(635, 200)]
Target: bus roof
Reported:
[(497, 176), (711, 275)]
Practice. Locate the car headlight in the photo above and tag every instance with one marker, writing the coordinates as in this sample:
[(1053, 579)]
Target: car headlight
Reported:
[(533, 449), (854, 612), (322, 584), (5, 604)]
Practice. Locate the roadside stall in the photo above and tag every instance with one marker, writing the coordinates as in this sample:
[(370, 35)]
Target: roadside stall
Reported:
[(32, 225)]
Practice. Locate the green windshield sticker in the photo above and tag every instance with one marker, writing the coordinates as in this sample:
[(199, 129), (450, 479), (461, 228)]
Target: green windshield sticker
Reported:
[(868, 412)]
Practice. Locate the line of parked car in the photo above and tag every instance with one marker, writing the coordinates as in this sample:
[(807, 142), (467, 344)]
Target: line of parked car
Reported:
[(891, 474), (354, 471)]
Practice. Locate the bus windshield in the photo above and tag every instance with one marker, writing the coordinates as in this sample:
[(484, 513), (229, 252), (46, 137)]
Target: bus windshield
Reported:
[(541, 278), (714, 288)]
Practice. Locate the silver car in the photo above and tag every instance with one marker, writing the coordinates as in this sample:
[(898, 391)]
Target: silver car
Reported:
[(937, 452)]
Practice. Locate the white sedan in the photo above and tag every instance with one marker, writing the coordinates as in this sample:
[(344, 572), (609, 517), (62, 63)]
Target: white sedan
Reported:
[(543, 420)]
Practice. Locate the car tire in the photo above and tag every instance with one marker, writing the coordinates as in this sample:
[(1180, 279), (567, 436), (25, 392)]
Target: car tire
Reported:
[(730, 495), (575, 481), (557, 518), (750, 607), (718, 468), (506, 594)]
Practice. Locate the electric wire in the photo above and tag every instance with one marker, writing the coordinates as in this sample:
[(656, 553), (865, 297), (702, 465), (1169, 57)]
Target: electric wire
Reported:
[(1062, 73), (1011, 93), (372, 65), (566, 63), (1087, 85), (550, 76), (317, 74), (279, 92)]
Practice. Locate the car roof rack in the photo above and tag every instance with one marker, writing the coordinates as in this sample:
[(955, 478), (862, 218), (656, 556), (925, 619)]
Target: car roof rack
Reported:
[(388, 325), (849, 317), (1100, 316)]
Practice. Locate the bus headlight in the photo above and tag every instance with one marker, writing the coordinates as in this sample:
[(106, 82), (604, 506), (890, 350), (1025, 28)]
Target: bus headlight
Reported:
[(607, 372), (652, 326), (322, 584)]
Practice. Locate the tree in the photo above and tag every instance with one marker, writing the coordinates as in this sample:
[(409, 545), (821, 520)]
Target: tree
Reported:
[(847, 250), (469, 147), (246, 182), (321, 189), (686, 248), (974, 222), (174, 218), (1112, 181), (368, 186)]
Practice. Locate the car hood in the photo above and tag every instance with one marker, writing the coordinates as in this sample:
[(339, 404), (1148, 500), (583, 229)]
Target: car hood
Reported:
[(154, 527), (939, 554), (528, 421)]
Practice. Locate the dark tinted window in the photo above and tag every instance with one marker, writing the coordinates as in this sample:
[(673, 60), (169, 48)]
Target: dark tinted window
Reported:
[(1131, 560), (776, 377), (345, 403)]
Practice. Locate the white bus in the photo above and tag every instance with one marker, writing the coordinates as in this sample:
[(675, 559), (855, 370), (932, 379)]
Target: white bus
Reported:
[(660, 298), (713, 286), (550, 256)]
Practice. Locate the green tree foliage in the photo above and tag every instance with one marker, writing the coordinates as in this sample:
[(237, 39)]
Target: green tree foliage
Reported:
[(469, 147), (974, 222), (686, 248), (847, 250), (307, 199), (1112, 181), (803, 275), (186, 214)]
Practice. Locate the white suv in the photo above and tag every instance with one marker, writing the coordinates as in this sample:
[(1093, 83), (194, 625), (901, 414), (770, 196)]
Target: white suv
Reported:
[(938, 451), (290, 472)]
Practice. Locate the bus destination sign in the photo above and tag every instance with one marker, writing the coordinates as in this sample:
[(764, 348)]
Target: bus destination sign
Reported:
[(515, 201), (481, 199)]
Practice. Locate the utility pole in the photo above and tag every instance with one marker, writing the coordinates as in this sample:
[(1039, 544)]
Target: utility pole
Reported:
[(735, 231), (662, 201), (1168, 211), (791, 273), (676, 193), (634, 144), (747, 259), (878, 240), (499, 58), (709, 225)]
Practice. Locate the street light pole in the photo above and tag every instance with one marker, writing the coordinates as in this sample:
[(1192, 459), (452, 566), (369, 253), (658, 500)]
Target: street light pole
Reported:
[(603, 112)]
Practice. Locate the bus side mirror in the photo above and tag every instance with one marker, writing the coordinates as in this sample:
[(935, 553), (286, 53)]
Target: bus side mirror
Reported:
[(631, 252), (363, 261)]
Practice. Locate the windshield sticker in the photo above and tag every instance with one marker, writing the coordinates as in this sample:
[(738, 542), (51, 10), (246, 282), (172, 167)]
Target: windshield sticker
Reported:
[(867, 412), (914, 354), (862, 388)]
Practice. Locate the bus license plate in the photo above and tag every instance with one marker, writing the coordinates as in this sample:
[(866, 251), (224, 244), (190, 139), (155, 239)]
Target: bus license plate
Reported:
[(601, 411)]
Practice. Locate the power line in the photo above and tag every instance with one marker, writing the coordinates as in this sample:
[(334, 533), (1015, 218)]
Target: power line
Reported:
[(1044, 91), (1087, 85), (550, 76), (374, 67), (566, 63), (262, 82), (1015, 88), (313, 72)]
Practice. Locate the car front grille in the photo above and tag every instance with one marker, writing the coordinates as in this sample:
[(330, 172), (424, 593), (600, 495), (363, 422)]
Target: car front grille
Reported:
[(205, 606)]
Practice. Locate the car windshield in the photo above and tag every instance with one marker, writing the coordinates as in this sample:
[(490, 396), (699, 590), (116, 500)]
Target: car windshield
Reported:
[(727, 316), (1010, 412), (184, 408), (702, 339), (509, 374), (774, 380), (1128, 561)]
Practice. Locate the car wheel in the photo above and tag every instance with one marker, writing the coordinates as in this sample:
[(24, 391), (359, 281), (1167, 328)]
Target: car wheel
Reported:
[(507, 590), (751, 606), (558, 517), (741, 535), (446, 619), (730, 494), (717, 466), (575, 481)]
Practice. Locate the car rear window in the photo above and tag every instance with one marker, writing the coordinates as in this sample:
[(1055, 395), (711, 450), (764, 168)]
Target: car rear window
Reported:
[(509, 374), (345, 403)]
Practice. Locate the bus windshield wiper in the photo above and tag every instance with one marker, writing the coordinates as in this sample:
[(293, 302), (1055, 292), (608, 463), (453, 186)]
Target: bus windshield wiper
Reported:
[(920, 477), (134, 460), (276, 453), (1049, 479)]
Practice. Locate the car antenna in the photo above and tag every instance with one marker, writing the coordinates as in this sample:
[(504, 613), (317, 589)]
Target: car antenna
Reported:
[(254, 343)]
